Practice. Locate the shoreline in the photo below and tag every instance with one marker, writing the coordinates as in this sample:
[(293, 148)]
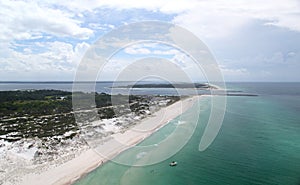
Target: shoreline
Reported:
[(70, 172)]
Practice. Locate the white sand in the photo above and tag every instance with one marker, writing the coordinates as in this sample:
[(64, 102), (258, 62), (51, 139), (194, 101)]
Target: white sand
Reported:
[(72, 170)]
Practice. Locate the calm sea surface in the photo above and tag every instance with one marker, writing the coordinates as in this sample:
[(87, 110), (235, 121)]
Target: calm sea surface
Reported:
[(258, 144)]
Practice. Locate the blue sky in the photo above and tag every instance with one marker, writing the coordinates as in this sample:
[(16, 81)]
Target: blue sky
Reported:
[(251, 40)]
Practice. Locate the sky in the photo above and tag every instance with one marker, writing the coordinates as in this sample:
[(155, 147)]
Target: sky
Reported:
[(251, 40)]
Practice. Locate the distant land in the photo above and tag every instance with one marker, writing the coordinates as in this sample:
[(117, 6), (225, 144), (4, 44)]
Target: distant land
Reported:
[(171, 85)]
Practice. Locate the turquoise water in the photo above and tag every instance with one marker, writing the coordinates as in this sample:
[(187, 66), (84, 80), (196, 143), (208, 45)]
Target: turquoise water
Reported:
[(259, 143)]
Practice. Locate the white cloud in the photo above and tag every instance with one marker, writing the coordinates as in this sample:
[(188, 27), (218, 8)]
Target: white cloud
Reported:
[(207, 18), (137, 50), (56, 58), (291, 54), (233, 72), (27, 20), (277, 66), (166, 6), (22, 20), (150, 48), (97, 26), (215, 19), (166, 52), (218, 18)]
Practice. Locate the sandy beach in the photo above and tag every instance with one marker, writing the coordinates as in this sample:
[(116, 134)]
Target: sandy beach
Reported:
[(74, 169)]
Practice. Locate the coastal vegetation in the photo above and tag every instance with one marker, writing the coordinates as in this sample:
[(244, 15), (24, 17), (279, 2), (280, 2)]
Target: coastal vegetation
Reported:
[(49, 113)]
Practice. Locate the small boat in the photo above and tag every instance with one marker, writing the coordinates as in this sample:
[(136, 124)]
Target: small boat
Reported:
[(173, 163)]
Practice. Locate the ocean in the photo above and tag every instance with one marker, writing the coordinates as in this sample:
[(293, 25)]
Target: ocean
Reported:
[(258, 144)]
